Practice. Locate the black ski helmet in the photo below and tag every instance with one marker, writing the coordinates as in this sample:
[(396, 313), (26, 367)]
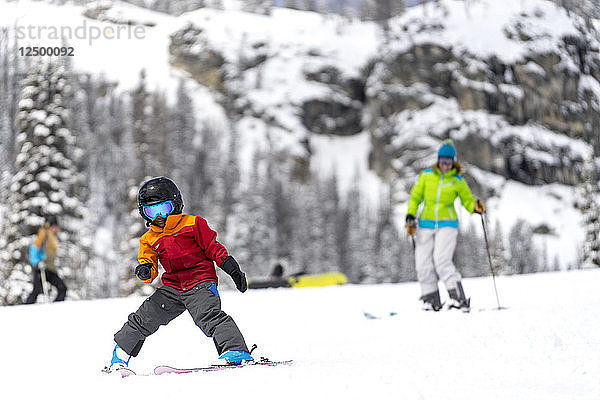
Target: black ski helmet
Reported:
[(52, 220), (157, 190)]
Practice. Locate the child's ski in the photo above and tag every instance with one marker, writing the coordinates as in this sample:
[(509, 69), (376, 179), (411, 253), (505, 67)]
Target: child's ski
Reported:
[(165, 369), (124, 372)]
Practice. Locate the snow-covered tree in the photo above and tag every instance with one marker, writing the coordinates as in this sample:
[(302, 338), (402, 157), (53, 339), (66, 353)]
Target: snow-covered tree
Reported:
[(367, 10), (291, 4), (204, 172), (498, 250), (283, 212), (10, 88), (227, 189), (252, 225), (330, 207), (308, 5), (182, 130), (470, 255), (387, 244), (589, 205), (386, 9), (359, 249), (258, 6), (44, 182), (523, 254)]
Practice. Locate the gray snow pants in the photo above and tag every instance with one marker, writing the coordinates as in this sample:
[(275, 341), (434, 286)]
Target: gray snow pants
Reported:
[(202, 302)]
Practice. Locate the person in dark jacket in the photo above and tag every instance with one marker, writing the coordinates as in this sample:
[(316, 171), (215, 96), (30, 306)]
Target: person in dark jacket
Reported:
[(42, 256), (187, 248)]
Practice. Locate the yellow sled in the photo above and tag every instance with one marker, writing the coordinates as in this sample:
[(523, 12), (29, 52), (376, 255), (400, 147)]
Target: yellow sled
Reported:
[(326, 279)]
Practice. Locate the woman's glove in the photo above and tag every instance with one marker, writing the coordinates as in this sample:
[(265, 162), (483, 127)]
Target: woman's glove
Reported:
[(232, 268), (410, 226), (479, 207), (144, 271)]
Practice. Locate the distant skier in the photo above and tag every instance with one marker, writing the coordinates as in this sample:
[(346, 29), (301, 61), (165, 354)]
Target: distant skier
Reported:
[(436, 237), (42, 256), (187, 248), (276, 273)]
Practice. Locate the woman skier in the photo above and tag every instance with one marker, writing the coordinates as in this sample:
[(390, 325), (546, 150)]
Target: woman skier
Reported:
[(42, 256), (187, 248), (438, 187)]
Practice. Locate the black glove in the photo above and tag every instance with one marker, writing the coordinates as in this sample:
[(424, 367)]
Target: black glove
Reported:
[(410, 226), (232, 268), (144, 271)]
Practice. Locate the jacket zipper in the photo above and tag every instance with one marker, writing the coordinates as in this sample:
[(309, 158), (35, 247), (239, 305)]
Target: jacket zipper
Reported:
[(437, 201)]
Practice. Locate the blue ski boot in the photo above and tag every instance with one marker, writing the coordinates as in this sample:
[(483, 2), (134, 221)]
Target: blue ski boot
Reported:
[(119, 360), (234, 357)]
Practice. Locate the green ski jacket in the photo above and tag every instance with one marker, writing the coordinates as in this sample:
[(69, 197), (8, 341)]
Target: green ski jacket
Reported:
[(439, 192)]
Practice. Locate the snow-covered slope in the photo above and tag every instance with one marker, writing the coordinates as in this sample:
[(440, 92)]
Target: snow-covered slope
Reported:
[(545, 346)]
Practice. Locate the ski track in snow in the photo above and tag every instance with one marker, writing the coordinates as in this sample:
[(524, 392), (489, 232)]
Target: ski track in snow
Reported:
[(545, 346)]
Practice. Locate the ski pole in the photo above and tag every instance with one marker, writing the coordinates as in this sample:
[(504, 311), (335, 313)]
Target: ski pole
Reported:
[(42, 268), (487, 248)]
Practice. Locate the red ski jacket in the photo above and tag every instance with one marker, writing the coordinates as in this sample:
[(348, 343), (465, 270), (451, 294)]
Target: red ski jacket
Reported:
[(186, 248)]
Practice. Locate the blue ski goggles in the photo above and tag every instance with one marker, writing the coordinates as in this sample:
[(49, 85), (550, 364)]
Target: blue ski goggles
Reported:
[(445, 161), (159, 210)]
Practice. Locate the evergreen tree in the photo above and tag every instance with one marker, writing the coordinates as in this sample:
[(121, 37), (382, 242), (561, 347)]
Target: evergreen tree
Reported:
[(387, 247), (158, 137), (358, 248), (322, 6), (132, 167), (291, 4), (257, 6), (141, 115), (523, 254), (367, 10), (253, 224), (283, 212), (104, 193), (330, 207), (5, 131), (498, 250), (204, 172), (10, 87), (338, 6), (216, 4), (180, 141), (470, 255), (589, 206), (387, 9), (307, 249), (44, 182), (308, 5), (228, 189)]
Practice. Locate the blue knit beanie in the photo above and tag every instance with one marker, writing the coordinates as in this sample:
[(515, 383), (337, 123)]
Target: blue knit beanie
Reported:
[(447, 149)]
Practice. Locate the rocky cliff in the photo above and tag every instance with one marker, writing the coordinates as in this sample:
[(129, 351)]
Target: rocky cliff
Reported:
[(515, 85), (525, 110)]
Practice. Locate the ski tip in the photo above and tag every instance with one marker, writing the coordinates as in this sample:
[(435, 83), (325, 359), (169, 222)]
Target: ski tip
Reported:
[(369, 316), (123, 372)]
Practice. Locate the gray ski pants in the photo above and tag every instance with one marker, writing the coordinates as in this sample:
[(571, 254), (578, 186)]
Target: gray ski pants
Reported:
[(433, 258), (202, 302)]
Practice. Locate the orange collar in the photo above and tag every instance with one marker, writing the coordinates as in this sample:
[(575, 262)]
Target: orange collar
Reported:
[(171, 224)]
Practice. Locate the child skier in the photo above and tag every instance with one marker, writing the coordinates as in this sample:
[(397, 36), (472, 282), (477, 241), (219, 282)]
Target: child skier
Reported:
[(187, 248), (438, 187)]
